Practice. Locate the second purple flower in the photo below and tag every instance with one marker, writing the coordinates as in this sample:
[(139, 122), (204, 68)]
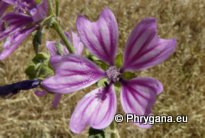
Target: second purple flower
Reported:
[(17, 25)]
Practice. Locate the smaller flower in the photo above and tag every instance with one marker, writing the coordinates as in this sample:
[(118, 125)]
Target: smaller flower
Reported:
[(144, 49), (57, 49), (17, 25)]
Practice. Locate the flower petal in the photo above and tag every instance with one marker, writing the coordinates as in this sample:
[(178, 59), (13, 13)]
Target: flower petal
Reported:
[(3, 7), (21, 6), (100, 37), (40, 11), (13, 22), (78, 45), (96, 109), (11, 2), (72, 74), (40, 93), (13, 41), (144, 48), (138, 96)]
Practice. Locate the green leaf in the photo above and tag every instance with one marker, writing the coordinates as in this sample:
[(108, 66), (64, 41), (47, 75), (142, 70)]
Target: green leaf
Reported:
[(39, 68), (119, 59), (95, 133)]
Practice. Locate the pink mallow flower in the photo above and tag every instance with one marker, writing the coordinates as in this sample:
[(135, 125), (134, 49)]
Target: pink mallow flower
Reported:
[(144, 49)]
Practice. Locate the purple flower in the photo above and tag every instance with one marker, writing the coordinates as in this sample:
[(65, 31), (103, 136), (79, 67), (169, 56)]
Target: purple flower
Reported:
[(55, 49), (17, 25), (3, 8), (144, 49)]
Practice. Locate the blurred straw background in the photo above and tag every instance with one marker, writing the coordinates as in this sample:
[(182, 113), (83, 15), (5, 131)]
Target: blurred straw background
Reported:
[(183, 74)]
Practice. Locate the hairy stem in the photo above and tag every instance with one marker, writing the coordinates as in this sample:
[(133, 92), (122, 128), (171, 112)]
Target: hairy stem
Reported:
[(114, 131), (57, 7), (50, 4), (61, 33)]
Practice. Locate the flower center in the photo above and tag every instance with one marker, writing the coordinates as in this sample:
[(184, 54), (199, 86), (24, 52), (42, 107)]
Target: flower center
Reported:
[(113, 74)]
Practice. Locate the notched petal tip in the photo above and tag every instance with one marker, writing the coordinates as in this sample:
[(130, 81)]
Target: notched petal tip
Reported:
[(144, 48), (101, 36)]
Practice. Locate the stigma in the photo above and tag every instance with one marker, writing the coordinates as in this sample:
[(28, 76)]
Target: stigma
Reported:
[(113, 74)]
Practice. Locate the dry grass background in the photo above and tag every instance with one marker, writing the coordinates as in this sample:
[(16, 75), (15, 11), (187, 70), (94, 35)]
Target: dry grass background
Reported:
[(183, 75)]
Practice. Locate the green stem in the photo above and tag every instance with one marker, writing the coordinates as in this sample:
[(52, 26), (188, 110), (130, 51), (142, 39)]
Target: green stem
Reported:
[(56, 26), (61, 33), (50, 4), (57, 7), (114, 131)]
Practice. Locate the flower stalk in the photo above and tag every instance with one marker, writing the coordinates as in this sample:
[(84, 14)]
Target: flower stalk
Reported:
[(50, 6), (114, 130), (57, 7), (56, 26)]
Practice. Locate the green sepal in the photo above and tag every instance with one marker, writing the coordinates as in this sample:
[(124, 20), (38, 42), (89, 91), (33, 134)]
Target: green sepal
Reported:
[(102, 82), (128, 75), (117, 86), (119, 60), (93, 58), (38, 1), (95, 133), (101, 64)]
